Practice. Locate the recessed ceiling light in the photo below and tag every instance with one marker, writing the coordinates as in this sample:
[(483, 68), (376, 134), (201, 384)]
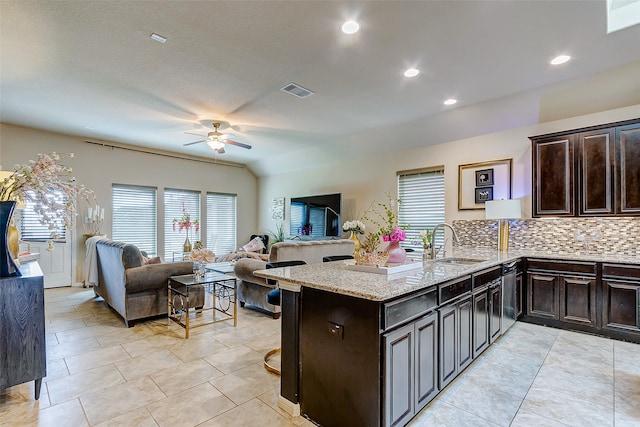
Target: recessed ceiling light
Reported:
[(450, 101), (350, 27), (411, 72), (561, 59), (158, 38)]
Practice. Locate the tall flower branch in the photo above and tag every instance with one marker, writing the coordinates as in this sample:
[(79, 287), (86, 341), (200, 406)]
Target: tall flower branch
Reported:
[(49, 186)]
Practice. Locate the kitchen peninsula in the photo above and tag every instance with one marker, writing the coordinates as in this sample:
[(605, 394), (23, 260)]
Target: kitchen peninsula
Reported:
[(368, 349)]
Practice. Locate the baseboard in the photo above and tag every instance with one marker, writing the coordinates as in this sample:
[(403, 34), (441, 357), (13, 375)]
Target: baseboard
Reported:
[(289, 407)]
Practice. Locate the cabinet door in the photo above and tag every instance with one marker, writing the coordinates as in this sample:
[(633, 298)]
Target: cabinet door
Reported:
[(426, 360), (495, 318), (519, 296), (543, 295), (596, 166), (621, 309), (553, 165), (465, 333), (448, 347), (578, 300), (399, 376), (628, 177), (480, 322)]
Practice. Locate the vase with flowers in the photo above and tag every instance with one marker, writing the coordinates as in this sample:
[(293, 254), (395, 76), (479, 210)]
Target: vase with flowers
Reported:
[(48, 186), (355, 227), (384, 216), (185, 223), (426, 235)]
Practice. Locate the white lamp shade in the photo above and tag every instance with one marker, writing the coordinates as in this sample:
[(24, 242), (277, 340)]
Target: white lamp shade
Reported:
[(503, 209)]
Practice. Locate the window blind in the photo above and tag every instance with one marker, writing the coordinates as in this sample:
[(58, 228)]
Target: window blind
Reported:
[(221, 223), (31, 228), (177, 203), (422, 206), (134, 216)]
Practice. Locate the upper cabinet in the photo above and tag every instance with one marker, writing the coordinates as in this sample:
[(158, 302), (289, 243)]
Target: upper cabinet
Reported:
[(587, 172), (628, 177)]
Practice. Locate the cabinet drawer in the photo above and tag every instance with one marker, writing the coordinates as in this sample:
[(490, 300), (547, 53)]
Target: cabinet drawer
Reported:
[(402, 310), (482, 278), (621, 271), (453, 290), (561, 266)]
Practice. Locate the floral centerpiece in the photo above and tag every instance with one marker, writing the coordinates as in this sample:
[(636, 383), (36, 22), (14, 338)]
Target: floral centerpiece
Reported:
[(185, 223), (43, 182), (48, 186), (355, 226), (384, 217)]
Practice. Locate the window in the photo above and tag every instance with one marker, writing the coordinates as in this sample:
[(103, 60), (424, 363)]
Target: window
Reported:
[(422, 196), (135, 216), (177, 204), (32, 229), (221, 223)]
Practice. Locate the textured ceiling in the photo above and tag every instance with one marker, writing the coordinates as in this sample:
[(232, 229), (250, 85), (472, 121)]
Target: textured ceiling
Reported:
[(90, 68)]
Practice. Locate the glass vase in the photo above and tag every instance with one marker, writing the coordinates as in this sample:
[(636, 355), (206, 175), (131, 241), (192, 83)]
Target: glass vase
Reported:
[(397, 254)]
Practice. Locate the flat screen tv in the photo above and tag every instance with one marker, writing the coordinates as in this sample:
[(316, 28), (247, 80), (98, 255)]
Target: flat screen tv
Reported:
[(316, 216)]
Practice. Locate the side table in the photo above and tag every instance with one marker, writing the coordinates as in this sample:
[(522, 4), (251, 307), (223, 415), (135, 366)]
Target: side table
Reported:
[(220, 292)]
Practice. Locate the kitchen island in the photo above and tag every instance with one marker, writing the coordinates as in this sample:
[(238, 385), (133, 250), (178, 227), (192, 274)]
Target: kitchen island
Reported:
[(368, 349)]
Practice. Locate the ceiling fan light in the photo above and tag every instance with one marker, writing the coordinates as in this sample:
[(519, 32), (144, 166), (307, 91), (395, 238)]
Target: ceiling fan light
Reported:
[(215, 144)]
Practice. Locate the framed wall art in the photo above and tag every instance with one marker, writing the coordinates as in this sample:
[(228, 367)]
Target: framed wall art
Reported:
[(277, 208), (479, 182), (484, 177)]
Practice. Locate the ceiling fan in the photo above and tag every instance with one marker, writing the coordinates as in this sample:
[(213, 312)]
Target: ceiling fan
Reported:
[(217, 140)]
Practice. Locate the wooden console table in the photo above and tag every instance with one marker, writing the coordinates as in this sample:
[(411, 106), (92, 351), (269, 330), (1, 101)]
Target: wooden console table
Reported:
[(22, 341)]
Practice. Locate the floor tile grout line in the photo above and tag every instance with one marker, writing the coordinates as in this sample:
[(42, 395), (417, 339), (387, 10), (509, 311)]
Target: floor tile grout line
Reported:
[(534, 380)]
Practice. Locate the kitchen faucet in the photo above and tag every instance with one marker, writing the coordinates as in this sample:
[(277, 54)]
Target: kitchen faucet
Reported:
[(433, 237)]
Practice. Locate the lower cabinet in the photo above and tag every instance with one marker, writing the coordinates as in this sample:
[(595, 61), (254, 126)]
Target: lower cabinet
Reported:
[(563, 291), (621, 298), (411, 374), (456, 346), (495, 311), (519, 294), (480, 321)]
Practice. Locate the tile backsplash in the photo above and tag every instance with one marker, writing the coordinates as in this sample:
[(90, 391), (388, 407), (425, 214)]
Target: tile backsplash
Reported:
[(602, 235)]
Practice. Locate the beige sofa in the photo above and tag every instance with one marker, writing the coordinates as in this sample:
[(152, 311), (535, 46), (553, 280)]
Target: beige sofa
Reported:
[(253, 290)]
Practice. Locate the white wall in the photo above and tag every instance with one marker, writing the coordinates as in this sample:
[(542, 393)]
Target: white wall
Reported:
[(99, 167), (366, 178)]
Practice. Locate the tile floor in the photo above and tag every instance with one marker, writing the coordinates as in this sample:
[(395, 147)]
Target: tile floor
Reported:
[(101, 373)]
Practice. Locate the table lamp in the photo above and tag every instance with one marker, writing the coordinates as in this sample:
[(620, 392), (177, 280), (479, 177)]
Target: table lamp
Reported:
[(503, 210)]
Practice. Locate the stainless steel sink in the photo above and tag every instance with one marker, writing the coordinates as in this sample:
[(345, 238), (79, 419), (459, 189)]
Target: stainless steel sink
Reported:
[(453, 260)]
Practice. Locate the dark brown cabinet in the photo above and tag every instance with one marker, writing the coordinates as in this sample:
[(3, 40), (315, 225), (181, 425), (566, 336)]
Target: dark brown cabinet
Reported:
[(543, 295), (563, 292), (596, 163), (411, 374), (578, 300), (621, 298), (22, 341), (480, 320), (519, 294), (628, 178), (456, 346), (495, 312), (587, 172), (553, 163)]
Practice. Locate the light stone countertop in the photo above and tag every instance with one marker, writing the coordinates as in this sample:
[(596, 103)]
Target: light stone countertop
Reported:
[(335, 277)]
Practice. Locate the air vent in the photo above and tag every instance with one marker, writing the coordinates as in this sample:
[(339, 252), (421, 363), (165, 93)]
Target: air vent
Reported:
[(296, 90)]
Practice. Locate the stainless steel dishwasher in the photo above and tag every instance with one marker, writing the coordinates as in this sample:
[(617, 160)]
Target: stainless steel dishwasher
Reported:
[(509, 307)]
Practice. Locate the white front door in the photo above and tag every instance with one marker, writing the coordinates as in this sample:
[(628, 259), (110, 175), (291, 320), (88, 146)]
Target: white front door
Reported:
[(56, 264)]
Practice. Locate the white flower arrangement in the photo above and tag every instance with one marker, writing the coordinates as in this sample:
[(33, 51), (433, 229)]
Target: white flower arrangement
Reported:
[(355, 226)]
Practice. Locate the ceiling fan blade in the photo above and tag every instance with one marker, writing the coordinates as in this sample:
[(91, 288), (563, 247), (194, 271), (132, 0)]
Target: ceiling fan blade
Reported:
[(238, 144), (192, 143), (197, 134)]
